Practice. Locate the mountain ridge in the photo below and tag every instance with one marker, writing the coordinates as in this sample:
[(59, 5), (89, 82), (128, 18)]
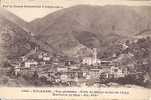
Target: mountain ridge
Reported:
[(52, 17), (92, 26), (14, 18)]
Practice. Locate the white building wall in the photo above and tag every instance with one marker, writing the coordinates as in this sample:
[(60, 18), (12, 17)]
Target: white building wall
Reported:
[(91, 61)]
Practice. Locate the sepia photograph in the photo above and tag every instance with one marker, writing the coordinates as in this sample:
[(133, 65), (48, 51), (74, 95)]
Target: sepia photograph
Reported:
[(83, 45)]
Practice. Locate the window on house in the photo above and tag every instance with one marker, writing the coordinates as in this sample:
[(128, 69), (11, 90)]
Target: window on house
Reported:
[(115, 70)]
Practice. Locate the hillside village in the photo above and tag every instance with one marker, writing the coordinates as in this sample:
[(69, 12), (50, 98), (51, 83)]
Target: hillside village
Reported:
[(78, 46), (57, 70)]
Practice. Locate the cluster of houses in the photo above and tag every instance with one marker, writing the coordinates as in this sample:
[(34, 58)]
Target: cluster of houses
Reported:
[(56, 69)]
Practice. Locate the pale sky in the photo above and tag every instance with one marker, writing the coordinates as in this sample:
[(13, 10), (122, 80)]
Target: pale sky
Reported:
[(29, 14)]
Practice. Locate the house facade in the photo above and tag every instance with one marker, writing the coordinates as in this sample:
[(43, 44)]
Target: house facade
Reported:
[(31, 63)]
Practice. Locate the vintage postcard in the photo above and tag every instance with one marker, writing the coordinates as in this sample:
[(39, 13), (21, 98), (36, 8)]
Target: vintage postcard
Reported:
[(75, 49)]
